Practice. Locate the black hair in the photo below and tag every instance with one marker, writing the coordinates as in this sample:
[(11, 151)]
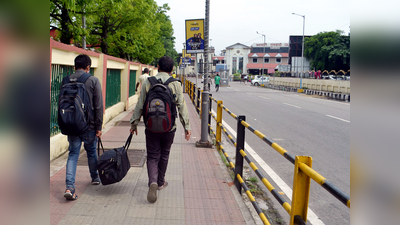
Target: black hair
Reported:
[(146, 70), (82, 61), (166, 64)]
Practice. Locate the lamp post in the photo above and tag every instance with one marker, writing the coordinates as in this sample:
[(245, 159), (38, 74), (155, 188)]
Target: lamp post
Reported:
[(262, 73), (302, 48)]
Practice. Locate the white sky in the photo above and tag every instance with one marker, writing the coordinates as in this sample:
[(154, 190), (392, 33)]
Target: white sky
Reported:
[(233, 21)]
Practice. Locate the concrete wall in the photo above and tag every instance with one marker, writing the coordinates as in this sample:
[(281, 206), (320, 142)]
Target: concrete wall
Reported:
[(339, 86), (62, 54)]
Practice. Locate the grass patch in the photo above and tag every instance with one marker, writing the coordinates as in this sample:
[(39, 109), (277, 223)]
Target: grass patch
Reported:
[(224, 159)]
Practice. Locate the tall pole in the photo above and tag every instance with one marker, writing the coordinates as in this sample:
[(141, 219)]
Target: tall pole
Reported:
[(302, 48), (205, 94)]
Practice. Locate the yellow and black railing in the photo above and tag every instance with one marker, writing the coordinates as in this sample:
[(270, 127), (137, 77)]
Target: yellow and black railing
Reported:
[(303, 172)]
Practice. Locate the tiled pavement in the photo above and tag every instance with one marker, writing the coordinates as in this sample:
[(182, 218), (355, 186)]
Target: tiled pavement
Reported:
[(199, 191)]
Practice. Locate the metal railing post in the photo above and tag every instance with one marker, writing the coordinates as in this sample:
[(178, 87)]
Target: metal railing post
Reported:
[(198, 101), (218, 127), (239, 146), (209, 113), (301, 190), (201, 105), (194, 93)]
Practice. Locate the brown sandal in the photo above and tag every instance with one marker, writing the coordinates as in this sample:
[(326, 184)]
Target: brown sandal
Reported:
[(163, 186)]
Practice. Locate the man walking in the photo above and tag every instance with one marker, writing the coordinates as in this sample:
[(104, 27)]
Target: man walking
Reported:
[(158, 145), (217, 79), (142, 78), (89, 137)]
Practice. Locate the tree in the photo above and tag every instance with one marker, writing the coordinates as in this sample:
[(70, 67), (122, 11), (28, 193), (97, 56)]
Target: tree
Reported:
[(166, 33), (328, 51), (130, 29), (66, 17)]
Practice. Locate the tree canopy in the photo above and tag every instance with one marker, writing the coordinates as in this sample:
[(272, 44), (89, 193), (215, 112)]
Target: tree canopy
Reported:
[(328, 51), (136, 30)]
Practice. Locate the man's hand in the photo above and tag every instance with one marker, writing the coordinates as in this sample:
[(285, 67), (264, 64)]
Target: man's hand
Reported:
[(187, 135), (133, 131), (98, 133)]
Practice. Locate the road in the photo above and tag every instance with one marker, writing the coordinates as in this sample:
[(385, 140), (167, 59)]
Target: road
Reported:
[(303, 125)]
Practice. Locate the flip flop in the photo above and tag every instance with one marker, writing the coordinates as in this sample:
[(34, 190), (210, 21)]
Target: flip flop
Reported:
[(163, 186), (70, 195)]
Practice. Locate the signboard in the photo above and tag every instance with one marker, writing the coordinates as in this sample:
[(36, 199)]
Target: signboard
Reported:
[(270, 45), (194, 36)]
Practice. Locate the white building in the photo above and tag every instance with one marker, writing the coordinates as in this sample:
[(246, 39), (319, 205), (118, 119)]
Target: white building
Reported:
[(237, 58)]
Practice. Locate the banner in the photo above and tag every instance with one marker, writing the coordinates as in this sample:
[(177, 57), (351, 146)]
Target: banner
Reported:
[(195, 36)]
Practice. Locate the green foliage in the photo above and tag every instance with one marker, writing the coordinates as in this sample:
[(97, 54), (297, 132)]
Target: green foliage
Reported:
[(136, 30), (328, 51)]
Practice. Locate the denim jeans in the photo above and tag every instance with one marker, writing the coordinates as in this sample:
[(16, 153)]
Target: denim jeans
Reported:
[(75, 142)]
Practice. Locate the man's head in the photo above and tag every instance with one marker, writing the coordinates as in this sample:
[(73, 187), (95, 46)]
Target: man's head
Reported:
[(83, 62), (195, 35), (146, 70), (165, 64)]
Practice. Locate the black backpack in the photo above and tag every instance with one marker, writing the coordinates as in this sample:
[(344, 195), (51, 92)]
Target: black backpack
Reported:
[(74, 109), (159, 109), (113, 164)]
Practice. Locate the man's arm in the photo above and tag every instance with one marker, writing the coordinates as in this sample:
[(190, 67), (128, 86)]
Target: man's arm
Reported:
[(182, 108), (137, 113), (98, 107)]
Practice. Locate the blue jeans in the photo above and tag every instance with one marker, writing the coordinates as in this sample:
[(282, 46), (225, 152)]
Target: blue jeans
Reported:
[(75, 142)]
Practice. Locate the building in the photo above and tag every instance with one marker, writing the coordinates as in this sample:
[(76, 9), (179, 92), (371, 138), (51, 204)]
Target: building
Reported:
[(236, 58), (268, 58)]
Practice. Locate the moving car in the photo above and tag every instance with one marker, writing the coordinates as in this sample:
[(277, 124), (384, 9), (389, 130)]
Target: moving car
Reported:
[(258, 81)]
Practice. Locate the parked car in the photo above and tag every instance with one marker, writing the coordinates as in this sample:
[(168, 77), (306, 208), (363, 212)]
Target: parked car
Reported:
[(258, 81)]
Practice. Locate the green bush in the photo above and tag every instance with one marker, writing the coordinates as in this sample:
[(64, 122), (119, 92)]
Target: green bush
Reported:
[(236, 77)]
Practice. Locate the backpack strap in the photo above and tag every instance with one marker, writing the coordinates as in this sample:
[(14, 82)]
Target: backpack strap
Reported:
[(83, 78), (171, 79), (153, 80)]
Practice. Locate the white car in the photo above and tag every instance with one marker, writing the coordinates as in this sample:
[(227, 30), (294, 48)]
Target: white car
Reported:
[(258, 81)]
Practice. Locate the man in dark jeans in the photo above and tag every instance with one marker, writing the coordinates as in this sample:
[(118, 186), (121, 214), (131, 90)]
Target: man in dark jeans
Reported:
[(158, 145), (93, 87)]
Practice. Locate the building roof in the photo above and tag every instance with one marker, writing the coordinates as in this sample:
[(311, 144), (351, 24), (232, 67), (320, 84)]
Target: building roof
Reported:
[(231, 46), (218, 57), (266, 65), (268, 55)]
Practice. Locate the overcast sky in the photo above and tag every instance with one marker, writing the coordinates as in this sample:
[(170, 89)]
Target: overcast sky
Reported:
[(233, 21)]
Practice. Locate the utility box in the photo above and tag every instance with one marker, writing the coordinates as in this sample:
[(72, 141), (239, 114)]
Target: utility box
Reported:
[(224, 74)]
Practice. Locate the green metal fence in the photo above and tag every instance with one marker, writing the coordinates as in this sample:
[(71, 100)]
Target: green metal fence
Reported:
[(58, 72), (132, 82), (113, 91)]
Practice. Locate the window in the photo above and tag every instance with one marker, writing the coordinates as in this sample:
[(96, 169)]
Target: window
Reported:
[(266, 60), (278, 60), (254, 60), (241, 64)]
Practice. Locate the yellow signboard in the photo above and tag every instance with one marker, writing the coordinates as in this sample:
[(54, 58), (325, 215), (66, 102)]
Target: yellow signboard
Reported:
[(195, 36)]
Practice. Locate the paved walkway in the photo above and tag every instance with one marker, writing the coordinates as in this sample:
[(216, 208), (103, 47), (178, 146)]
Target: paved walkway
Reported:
[(199, 192)]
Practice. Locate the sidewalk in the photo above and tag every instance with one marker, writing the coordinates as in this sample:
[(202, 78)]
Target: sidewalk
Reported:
[(200, 190)]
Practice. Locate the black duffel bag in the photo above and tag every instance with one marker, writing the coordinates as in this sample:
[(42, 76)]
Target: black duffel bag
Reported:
[(113, 164)]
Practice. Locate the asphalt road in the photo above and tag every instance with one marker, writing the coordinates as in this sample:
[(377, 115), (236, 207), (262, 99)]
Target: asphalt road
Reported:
[(303, 125)]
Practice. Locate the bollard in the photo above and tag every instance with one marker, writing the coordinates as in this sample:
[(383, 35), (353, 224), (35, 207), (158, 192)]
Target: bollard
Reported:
[(239, 146), (301, 190)]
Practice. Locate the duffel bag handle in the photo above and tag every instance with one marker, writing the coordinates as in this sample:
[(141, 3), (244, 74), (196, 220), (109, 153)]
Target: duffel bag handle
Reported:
[(128, 142), (99, 143)]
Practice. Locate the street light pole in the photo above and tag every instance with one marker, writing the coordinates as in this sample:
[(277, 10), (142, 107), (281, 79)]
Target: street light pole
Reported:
[(302, 48), (262, 73)]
